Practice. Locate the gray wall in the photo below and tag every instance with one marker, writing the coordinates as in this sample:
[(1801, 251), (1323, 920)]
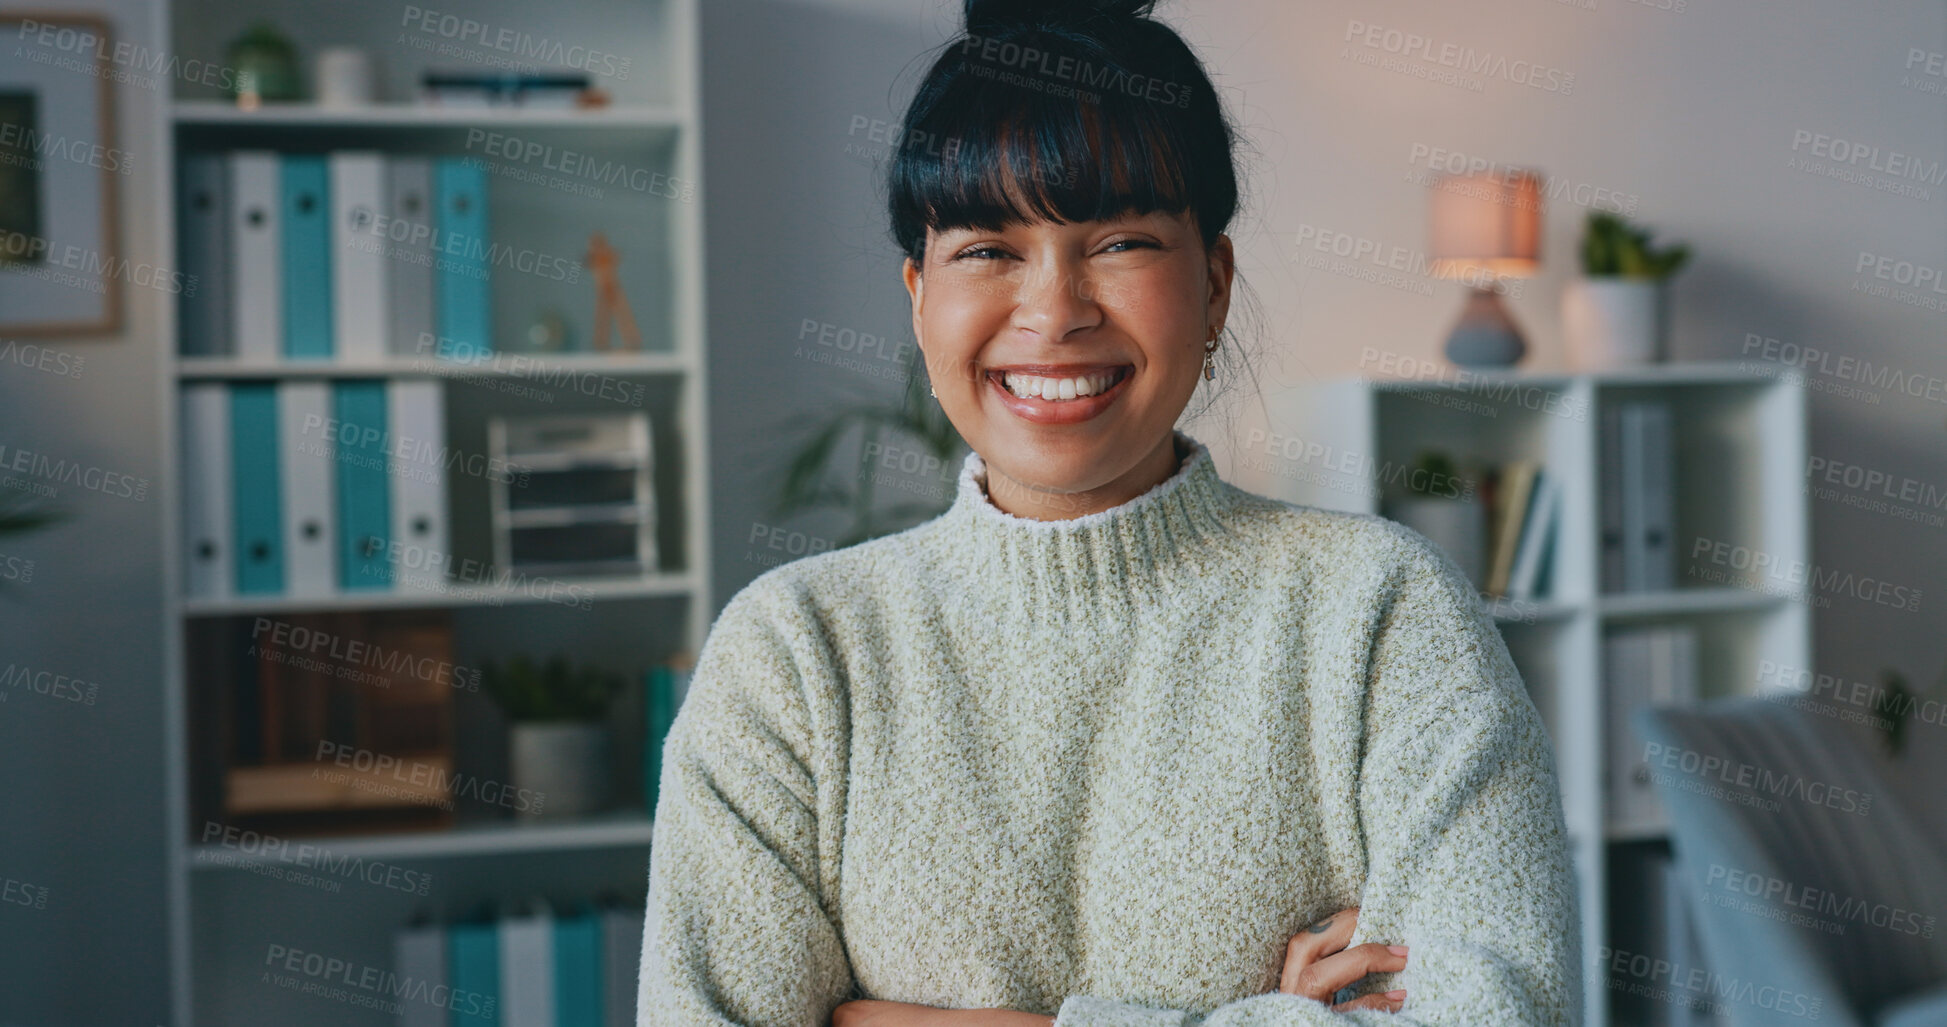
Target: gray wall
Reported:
[(82, 810)]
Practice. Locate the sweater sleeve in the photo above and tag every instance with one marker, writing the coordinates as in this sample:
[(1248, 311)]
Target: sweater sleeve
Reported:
[(1467, 859), (740, 929)]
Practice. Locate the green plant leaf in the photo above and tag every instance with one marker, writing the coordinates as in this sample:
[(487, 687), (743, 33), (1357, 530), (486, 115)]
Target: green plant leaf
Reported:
[(554, 691), (806, 476)]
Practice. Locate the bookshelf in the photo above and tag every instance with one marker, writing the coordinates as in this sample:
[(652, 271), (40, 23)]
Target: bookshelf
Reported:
[(228, 899), (1739, 454)]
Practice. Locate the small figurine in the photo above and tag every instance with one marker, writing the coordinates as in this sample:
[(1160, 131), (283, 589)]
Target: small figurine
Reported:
[(609, 301)]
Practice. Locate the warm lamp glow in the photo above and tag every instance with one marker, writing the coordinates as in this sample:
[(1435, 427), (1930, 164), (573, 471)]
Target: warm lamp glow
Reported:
[(1485, 225)]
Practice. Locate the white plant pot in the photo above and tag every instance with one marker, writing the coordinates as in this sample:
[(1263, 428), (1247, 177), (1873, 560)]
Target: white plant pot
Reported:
[(1613, 322), (1457, 526), (564, 764)]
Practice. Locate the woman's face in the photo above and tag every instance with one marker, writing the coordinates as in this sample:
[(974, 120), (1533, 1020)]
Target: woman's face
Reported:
[(1008, 321)]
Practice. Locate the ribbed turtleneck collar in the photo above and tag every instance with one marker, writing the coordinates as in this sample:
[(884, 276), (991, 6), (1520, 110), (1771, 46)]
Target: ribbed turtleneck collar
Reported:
[(1100, 568)]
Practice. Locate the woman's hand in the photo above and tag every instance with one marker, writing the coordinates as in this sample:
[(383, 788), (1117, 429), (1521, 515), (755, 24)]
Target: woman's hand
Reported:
[(1317, 964), (867, 1012)]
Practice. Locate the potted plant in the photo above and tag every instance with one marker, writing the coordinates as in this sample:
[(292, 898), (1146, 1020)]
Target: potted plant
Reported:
[(1443, 507), (913, 422), (558, 742), (1616, 315)]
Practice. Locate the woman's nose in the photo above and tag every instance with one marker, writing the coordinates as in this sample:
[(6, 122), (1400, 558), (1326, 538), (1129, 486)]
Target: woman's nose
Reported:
[(1055, 299)]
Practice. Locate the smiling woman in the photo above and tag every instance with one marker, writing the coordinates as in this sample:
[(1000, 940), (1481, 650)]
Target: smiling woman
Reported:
[(1060, 239), (1110, 742)]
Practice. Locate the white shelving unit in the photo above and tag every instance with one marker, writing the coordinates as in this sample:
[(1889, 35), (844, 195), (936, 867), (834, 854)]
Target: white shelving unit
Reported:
[(224, 902), (1740, 452)]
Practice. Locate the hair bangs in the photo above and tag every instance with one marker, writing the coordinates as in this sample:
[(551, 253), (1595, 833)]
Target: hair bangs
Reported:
[(1038, 157)]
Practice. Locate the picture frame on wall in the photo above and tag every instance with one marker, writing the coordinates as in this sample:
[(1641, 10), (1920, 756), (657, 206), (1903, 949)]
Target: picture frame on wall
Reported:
[(61, 272)]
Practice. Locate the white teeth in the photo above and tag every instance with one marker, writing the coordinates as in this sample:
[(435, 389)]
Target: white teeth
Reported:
[(1028, 386)]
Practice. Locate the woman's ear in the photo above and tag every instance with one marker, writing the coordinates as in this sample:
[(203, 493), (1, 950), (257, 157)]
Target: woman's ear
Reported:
[(916, 291), (1223, 265)]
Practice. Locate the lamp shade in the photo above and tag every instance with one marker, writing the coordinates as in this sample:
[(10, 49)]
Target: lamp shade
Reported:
[(1485, 225)]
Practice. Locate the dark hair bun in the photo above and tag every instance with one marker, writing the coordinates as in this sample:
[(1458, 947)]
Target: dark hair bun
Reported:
[(998, 17)]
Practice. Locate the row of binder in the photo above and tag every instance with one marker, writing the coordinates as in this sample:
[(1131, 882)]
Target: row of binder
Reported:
[(527, 969), (1638, 497), (350, 255), (313, 487)]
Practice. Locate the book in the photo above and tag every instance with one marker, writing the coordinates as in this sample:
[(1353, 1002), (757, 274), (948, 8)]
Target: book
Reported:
[(1512, 498), (1537, 536)]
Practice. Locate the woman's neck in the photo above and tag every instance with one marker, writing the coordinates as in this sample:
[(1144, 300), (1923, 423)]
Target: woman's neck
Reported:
[(1035, 503)]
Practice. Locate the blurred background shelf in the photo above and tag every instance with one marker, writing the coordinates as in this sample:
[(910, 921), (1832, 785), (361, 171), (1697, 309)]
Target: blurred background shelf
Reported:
[(562, 590), (414, 115), (597, 832), (560, 183), (513, 364), (1688, 600)]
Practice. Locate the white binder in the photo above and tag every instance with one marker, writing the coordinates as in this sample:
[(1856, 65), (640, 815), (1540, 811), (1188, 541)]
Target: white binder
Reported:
[(419, 959), (409, 202), (527, 969), (207, 568), (308, 471), (416, 419), (359, 273), (257, 285)]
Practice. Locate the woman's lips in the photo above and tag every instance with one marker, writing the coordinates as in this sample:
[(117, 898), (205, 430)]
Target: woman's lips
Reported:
[(1058, 411)]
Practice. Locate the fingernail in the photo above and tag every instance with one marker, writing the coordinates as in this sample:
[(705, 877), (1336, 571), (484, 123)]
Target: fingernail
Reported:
[(1396, 995), (1397, 950)]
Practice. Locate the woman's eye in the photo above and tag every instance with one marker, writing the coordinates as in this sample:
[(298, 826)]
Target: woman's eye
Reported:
[(980, 253), (1139, 243)]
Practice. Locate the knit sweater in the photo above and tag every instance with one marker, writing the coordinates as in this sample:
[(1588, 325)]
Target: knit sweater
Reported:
[(1103, 769)]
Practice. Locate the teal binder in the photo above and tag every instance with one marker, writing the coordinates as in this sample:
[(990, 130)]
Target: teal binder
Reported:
[(577, 970), (473, 971), (661, 704), (255, 496), (307, 257), (462, 305), (364, 484)]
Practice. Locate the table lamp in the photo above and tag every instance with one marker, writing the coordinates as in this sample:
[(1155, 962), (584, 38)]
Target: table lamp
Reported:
[(1482, 228)]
